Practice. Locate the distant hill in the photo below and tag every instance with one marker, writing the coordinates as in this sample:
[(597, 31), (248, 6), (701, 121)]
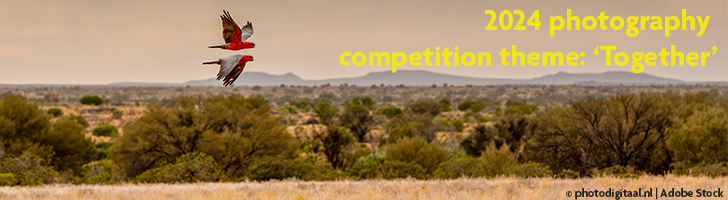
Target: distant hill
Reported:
[(413, 78), (426, 78), (562, 78)]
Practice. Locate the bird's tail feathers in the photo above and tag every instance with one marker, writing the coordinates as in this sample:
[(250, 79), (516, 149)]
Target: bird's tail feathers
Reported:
[(218, 46), (212, 62)]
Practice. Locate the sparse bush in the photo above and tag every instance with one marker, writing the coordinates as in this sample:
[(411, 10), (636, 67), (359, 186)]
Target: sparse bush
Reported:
[(91, 100), (256, 88)]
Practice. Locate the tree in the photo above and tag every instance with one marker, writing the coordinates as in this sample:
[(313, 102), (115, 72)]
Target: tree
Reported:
[(357, 118), (91, 100), (334, 142), (234, 130), (601, 132), (477, 142), (24, 129), (324, 112)]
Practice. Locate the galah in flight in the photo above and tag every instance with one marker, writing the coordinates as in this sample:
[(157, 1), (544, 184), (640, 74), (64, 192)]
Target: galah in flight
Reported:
[(230, 67), (235, 37)]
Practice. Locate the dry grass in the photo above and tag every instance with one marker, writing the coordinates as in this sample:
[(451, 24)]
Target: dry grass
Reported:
[(499, 188)]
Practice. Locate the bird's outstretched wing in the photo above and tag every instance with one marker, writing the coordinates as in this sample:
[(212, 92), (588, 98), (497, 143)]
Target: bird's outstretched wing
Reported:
[(233, 75), (227, 65), (247, 31), (229, 28)]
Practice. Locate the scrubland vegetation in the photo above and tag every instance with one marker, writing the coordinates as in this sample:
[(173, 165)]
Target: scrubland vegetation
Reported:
[(491, 141)]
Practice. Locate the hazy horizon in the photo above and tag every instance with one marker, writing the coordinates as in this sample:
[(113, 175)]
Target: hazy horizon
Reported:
[(101, 42)]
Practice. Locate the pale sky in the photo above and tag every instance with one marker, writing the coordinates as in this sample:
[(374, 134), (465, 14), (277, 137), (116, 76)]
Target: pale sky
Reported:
[(107, 41)]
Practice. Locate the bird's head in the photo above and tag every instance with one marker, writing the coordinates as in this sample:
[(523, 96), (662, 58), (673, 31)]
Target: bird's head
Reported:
[(252, 43), (248, 58)]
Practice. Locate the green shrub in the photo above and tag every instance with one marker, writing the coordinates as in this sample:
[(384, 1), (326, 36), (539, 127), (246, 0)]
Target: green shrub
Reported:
[(398, 170), (389, 111), (189, 168), (31, 170), (424, 106), (105, 130), (483, 119), (496, 161), (55, 112), (91, 100), (97, 173), (406, 130), (368, 167), (8, 179), (532, 170), (700, 141), (418, 152), (465, 105), (25, 128), (712, 170), (303, 168), (454, 122), (104, 150), (456, 168), (287, 109)]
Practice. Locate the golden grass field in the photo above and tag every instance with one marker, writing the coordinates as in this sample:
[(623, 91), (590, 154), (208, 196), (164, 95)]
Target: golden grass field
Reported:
[(498, 188)]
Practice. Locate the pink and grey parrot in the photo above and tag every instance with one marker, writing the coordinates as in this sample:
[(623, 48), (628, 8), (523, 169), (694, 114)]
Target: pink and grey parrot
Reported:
[(230, 67), (235, 37)]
